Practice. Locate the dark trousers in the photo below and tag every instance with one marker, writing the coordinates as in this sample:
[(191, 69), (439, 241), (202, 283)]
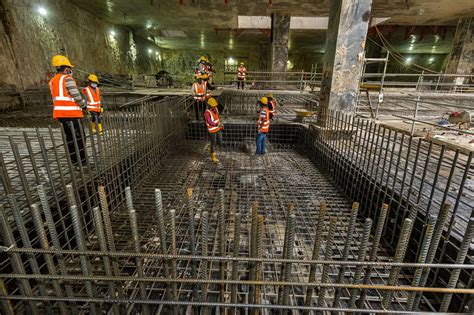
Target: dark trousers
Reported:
[(199, 108), (72, 127), (216, 140), (261, 143), (240, 83), (96, 117)]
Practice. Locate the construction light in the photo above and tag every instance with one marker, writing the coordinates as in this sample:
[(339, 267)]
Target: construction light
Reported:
[(42, 11), (431, 60), (150, 50), (408, 60), (112, 33)]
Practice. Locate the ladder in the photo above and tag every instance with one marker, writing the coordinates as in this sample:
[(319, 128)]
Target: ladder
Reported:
[(376, 86)]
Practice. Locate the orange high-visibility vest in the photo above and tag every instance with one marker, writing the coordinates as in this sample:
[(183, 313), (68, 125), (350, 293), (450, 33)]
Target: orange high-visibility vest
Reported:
[(264, 120), (215, 119), (93, 99), (241, 73), (199, 91), (63, 104)]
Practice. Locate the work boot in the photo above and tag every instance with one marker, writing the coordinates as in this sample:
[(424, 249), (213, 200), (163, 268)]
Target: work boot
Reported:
[(93, 128), (100, 128), (214, 157)]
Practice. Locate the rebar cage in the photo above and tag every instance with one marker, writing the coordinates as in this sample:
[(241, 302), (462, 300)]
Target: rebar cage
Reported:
[(147, 224)]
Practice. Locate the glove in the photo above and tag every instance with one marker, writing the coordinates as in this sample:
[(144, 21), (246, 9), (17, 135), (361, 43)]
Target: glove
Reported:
[(102, 110), (221, 126)]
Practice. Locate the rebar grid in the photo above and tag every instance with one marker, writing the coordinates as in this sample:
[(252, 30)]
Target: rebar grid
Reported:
[(209, 280)]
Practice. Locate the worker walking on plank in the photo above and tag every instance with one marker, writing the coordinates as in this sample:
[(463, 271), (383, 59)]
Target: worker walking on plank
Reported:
[(214, 127), (68, 106), (94, 104), (199, 91), (272, 105), (263, 125), (241, 74)]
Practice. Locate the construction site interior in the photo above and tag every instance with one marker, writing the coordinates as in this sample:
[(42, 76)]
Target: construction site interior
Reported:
[(362, 203)]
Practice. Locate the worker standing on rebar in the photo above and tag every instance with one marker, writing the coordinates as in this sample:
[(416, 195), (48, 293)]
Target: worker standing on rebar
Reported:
[(199, 91), (241, 74), (272, 105), (94, 103), (214, 127), (68, 106), (263, 125)]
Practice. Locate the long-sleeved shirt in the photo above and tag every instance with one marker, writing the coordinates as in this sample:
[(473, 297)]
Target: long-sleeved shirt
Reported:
[(209, 119), (71, 87)]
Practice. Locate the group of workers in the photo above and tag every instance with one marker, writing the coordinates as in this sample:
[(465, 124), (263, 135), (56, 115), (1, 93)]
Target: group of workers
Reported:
[(69, 106), (202, 94)]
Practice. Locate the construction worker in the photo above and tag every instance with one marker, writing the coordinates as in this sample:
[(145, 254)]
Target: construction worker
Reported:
[(68, 107), (272, 105), (199, 91), (263, 125), (201, 67), (241, 73), (214, 127), (206, 81), (94, 105)]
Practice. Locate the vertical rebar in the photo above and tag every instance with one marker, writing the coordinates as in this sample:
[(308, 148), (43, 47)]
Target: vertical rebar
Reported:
[(259, 267), (461, 257), (361, 257), (373, 252), (85, 264), (328, 256), (235, 264), (174, 288), (204, 252), (437, 233), (399, 256), (222, 240), (425, 245), (136, 244), (345, 252), (290, 237), (43, 239), (316, 251), (253, 250), (104, 208), (192, 236), (7, 306), (16, 263), (106, 259), (25, 239)]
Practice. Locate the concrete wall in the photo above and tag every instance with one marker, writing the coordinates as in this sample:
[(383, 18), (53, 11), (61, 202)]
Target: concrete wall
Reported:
[(30, 40)]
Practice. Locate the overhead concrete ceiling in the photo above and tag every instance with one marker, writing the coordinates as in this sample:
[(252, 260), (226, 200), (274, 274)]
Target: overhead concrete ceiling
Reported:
[(213, 24)]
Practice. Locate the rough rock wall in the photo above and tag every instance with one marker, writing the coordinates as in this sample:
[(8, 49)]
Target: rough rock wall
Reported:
[(30, 40)]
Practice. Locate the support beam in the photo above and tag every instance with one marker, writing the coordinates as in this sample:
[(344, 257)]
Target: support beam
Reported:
[(461, 58), (343, 60), (280, 37)]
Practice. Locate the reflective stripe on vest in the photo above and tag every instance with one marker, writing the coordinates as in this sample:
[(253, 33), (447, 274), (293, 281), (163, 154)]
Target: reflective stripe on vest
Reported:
[(264, 124), (241, 72), (93, 99), (215, 119), (64, 105), (199, 91)]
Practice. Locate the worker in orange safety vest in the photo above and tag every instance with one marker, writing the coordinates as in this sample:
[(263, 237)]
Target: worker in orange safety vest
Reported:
[(199, 91), (241, 74), (68, 107), (214, 127), (272, 105), (94, 103), (263, 125)]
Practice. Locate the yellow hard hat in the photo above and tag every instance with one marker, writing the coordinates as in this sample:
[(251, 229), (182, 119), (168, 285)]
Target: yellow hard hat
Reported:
[(242, 63), (264, 100), (93, 78), (269, 95), (60, 60), (203, 58), (212, 102), (203, 76)]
